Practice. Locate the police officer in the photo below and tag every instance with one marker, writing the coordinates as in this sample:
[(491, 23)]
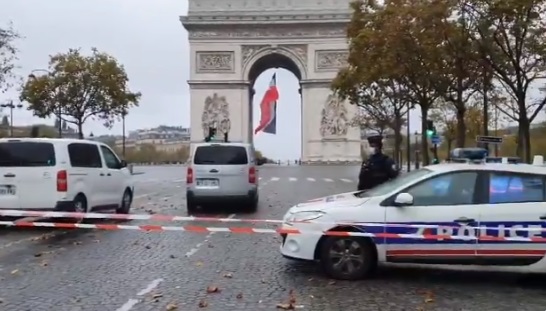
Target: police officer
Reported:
[(378, 168)]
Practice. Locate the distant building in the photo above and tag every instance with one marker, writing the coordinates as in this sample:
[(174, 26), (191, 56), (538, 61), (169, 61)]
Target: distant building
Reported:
[(163, 138)]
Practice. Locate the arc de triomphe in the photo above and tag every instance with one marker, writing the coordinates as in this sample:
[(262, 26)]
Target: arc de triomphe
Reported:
[(233, 41)]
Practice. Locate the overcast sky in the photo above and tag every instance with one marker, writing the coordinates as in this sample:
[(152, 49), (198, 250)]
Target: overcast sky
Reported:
[(148, 39)]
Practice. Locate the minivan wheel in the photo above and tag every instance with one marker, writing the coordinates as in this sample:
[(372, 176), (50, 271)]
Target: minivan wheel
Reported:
[(253, 204), (126, 201), (191, 206), (347, 258), (80, 206)]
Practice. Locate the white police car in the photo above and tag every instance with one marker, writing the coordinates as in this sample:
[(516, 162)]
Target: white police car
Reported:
[(482, 204)]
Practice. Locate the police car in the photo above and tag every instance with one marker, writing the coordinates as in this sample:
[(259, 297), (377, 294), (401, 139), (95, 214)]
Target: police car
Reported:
[(480, 205)]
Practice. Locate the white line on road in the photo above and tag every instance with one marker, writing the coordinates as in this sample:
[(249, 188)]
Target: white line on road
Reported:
[(194, 250), (292, 179), (346, 180), (275, 178), (133, 302), (310, 179), (150, 287), (328, 180)]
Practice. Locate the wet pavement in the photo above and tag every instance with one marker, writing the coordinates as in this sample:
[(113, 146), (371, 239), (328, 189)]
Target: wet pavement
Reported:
[(90, 270)]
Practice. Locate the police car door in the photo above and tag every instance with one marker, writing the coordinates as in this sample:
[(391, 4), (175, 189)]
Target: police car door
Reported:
[(447, 203), (516, 209)]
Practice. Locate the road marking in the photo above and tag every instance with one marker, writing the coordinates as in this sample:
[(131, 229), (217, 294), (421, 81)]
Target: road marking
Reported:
[(179, 180), (133, 302), (310, 179), (328, 180), (292, 179), (150, 287), (275, 178), (194, 250), (346, 180)]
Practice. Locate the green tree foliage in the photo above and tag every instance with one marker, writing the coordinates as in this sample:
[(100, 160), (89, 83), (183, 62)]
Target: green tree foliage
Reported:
[(80, 88), (8, 56), (5, 122), (440, 56)]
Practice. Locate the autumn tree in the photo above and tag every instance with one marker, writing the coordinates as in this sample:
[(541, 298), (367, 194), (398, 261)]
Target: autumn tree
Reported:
[(396, 41), (444, 117), (80, 88), (8, 56), (511, 37)]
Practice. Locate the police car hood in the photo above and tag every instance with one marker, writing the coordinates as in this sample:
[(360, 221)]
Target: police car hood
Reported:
[(347, 199)]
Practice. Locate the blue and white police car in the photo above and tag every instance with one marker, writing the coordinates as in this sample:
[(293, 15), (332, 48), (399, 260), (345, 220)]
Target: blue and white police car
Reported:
[(471, 201)]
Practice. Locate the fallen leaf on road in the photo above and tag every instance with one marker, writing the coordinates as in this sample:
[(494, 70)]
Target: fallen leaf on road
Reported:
[(199, 263), (203, 304), (96, 241), (44, 264), (157, 295), (172, 256), (264, 281), (213, 289), (285, 306), (310, 279), (292, 297), (228, 275), (1, 300), (210, 246), (77, 243), (171, 307), (239, 296), (38, 255), (331, 282), (148, 247), (311, 296), (15, 271)]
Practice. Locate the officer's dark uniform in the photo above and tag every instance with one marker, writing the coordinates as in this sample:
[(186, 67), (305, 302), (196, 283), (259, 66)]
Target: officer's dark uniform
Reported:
[(378, 168)]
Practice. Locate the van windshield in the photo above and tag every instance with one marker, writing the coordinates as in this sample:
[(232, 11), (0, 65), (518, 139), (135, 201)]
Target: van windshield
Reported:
[(220, 155), (26, 154)]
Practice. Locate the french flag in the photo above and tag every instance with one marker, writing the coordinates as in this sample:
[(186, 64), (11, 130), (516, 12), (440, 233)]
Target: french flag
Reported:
[(268, 108)]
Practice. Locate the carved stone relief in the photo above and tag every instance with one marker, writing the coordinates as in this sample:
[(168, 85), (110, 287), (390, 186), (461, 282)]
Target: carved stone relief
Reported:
[(300, 50), (334, 121), (330, 60), (215, 61), (216, 114), (268, 32), (247, 51)]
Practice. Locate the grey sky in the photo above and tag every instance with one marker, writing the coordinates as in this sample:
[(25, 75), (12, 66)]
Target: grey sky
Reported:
[(147, 38)]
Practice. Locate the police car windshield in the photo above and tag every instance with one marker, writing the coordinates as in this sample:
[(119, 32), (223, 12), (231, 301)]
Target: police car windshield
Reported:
[(396, 183)]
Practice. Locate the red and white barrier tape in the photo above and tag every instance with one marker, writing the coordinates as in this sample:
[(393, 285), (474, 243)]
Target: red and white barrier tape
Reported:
[(247, 230), (170, 218)]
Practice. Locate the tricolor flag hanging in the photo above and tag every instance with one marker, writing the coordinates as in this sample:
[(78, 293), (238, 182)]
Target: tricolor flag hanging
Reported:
[(268, 108)]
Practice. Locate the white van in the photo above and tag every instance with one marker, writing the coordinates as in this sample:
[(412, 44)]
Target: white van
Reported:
[(51, 174), (221, 172)]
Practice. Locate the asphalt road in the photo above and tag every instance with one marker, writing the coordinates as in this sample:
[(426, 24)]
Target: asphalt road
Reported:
[(129, 270)]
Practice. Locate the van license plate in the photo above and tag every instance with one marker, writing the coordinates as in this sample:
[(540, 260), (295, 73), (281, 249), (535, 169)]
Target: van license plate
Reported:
[(207, 183), (7, 190)]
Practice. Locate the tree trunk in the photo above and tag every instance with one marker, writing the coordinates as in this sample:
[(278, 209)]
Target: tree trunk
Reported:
[(397, 137), (449, 145), (524, 138), (424, 143), (461, 126), (80, 130)]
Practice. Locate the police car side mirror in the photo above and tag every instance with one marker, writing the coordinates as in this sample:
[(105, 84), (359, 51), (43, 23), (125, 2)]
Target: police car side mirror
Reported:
[(403, 199)]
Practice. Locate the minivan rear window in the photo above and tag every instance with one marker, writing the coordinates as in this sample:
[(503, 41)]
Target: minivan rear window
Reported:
[(220, 155), (26, 154)]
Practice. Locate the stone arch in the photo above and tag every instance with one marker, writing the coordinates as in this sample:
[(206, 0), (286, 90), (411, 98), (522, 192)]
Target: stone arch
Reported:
[(270, 57)]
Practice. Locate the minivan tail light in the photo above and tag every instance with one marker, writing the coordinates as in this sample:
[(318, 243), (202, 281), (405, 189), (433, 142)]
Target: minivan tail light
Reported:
[(62, 181), (252, 175), (189, 175)]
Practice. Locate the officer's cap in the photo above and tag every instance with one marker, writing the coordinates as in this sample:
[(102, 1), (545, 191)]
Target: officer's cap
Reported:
[(375, 140)]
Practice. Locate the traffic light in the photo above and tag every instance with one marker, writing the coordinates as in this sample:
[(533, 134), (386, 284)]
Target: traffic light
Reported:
[(431, 131), (212, 133)]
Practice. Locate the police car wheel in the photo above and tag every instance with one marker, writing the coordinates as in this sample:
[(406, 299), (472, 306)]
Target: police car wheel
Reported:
[(347, 258)]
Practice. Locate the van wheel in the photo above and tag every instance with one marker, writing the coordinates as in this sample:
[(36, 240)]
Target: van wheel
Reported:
[(348, 258), (80, 206), (253, 204), (191, 206), (126, 201)]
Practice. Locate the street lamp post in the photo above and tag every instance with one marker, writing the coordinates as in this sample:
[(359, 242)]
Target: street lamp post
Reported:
[(417, 147), (11, 106), (32, 76), (123, 130)]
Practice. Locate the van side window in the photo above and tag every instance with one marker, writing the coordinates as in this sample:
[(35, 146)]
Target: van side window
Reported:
[(84, 155), (110, 158), (515, 188)]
